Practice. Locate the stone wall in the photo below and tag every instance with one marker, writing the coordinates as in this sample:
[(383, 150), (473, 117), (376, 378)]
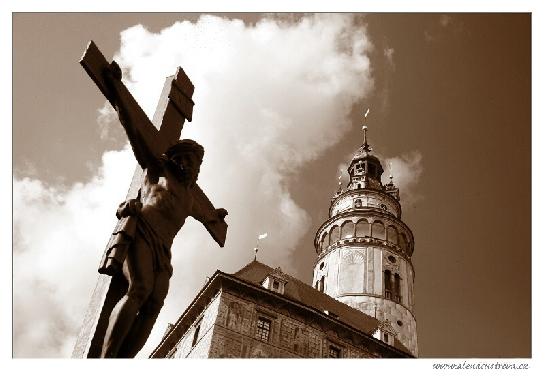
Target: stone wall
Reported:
[(235, 334), (185, 348)]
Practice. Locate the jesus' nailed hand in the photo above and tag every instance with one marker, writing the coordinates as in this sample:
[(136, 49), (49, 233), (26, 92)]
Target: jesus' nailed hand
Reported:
[(165, 200)]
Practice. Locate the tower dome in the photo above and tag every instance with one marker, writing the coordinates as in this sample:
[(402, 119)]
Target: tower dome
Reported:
[(365, 249), (365, 170)]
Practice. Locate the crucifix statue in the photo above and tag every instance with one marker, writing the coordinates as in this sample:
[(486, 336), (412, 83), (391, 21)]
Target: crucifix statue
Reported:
[(136, 268)]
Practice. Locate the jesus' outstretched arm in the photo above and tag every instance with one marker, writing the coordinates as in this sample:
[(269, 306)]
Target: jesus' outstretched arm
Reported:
[(141, 148)]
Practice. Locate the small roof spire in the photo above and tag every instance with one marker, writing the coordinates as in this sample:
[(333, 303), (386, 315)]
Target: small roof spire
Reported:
[(339, 188), (365, 146), (391, 175)]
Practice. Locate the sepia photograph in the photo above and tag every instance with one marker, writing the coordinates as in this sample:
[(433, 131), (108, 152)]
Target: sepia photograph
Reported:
[(272, 185)]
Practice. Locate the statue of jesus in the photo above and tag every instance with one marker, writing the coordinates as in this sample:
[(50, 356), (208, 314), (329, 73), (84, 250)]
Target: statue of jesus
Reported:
[(141, 249)]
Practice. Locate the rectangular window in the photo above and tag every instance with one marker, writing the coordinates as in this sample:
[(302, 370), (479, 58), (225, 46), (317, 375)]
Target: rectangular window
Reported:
[(275, 285), (397, 288), (263, 329), (334, 352)]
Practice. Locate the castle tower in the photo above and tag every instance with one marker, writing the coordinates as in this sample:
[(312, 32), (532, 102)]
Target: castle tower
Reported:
[(364, 250)]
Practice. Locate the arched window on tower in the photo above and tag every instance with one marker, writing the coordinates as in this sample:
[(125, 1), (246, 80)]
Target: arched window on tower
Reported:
[(392, 234), (403, 241), (377, 230), (325, 242), (334, 235), (397, 288), (321, 285), (347, 230), (387, 284), (363, 228)]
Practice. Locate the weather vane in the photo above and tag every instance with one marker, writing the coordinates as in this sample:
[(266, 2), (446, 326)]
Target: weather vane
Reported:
[(260, 237)]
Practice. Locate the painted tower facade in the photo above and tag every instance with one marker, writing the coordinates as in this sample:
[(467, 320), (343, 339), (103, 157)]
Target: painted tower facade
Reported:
[(365, 249)]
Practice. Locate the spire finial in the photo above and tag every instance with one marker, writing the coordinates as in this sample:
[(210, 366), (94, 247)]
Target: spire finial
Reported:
[(365, 146)]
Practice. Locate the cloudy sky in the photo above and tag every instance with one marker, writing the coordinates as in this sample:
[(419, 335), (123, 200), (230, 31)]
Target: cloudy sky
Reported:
[(279, 103)]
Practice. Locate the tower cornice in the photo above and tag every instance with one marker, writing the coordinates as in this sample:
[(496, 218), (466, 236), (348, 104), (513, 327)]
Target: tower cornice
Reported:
[(366, 191)]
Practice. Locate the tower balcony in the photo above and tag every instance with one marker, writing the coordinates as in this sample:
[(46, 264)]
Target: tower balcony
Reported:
[(366, 226), (367, 241)]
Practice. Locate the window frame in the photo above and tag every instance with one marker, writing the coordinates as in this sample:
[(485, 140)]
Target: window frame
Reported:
[(397, 287), (336, 349), (387, 284), (261, 331), (321, 284)]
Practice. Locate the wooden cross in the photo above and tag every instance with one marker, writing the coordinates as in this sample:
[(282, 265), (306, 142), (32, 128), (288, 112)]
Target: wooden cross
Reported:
[(175, 105)]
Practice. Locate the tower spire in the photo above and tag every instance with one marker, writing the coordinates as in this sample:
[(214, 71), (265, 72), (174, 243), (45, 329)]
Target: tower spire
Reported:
[(365, 145)]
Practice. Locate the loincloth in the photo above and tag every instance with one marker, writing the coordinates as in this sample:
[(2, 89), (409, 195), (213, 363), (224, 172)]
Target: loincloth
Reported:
[(118, 247)]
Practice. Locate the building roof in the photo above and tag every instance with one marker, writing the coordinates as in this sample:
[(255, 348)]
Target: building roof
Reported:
[(255, 272)]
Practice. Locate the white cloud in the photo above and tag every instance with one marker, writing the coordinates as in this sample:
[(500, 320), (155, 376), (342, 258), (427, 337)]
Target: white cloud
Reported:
[(342, 172), (269, 98), (59, 234), (107, 118), (26, 168), (406, 170)]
